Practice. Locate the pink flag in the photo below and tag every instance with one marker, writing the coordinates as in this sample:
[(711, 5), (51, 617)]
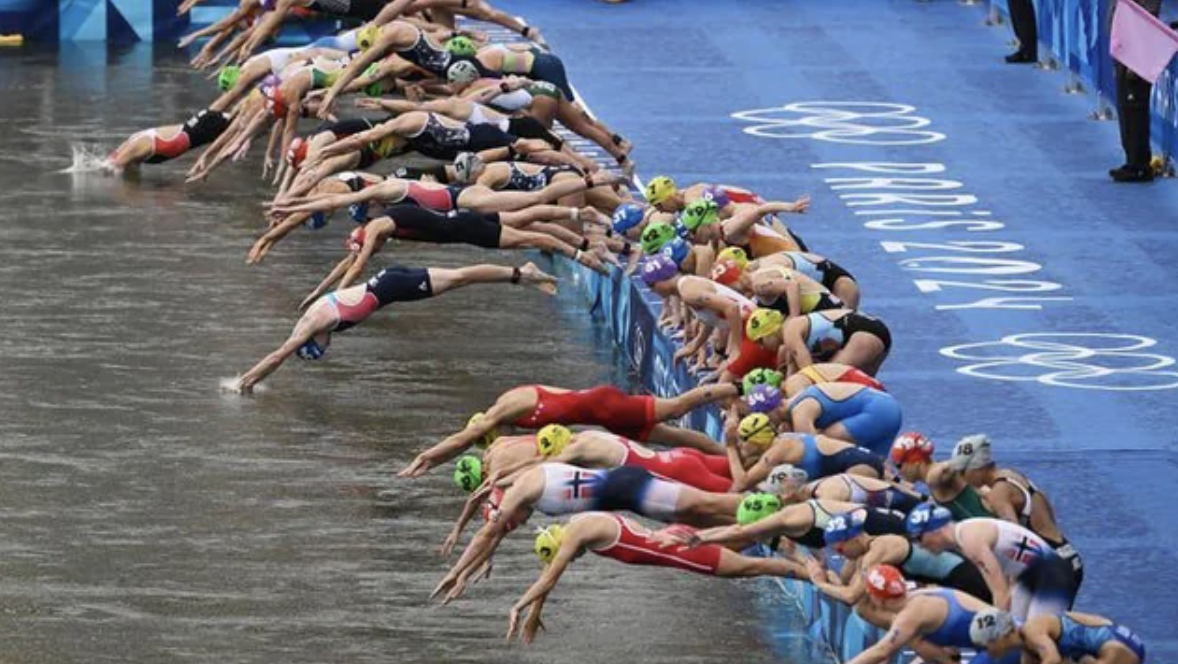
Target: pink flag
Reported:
[(1140, 41)]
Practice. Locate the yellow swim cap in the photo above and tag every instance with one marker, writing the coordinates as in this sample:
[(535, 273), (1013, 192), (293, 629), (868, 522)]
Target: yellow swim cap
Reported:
[(552, 439), (488, 438), (367, 36), (757, 429), (548, 543), (762, 323), (734, 254), (659, 189)]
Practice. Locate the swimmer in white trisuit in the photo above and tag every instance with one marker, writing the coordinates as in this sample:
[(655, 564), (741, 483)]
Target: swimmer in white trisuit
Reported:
[(1024, 573), (556, 489)]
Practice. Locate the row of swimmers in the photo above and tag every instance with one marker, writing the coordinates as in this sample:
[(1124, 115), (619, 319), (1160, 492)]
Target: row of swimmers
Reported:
[(811, 462)]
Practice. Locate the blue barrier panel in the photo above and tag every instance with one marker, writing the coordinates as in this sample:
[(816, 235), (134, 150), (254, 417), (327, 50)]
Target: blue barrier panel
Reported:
[(1076, 33)]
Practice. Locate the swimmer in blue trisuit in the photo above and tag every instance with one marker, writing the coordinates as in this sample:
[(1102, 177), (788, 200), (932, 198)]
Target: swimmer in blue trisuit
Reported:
[(348, 307), (930, 621), (846, 537), (848, 411), (1049, 639), (838, 335), (761, 451)]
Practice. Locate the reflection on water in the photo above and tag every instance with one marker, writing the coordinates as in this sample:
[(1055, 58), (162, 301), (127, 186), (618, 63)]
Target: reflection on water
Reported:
[(147, 517)]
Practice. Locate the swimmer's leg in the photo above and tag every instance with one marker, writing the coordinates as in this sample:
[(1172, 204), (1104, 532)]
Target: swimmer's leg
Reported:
[(670, 436), (732, 564), (676, 407), (847, 290), (863, 351)]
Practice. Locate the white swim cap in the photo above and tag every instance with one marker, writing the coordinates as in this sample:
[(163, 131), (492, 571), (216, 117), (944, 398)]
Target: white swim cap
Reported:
[(971, 453), (988, 626), (462, 72), (784, 478)]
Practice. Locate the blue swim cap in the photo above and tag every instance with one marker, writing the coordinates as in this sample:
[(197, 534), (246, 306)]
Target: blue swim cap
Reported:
[(843, 527), (677, 250), (681, 230), (926, 518), (316, 221), (311, 350), (658, 268), (358, 212), (627, 216), (763, 398)]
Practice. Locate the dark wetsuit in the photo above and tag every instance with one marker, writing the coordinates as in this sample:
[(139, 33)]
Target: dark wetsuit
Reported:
[(466, 227), (442, 141), (201, 129), (365, 10), (521, 181), (424, 55), (392, 284)]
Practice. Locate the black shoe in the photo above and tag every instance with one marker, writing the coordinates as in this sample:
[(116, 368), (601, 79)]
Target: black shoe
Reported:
[(1130, 173), (1019, 58)]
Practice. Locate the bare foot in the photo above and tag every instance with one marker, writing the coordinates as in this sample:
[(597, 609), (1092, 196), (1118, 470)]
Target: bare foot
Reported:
[(537, 278)]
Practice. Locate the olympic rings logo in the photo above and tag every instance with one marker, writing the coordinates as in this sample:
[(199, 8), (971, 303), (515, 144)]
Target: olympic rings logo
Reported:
[(849, 122), (1085, 361)]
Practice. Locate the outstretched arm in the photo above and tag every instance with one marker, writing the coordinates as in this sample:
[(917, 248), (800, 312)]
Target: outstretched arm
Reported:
[(901, 633), (536, 595), (740, 222)]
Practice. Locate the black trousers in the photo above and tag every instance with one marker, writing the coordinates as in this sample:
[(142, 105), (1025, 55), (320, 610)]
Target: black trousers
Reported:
[(1133, 94), (1022, 18)]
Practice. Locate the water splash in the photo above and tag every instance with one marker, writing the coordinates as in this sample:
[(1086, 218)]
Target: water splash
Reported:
[(87, 159)]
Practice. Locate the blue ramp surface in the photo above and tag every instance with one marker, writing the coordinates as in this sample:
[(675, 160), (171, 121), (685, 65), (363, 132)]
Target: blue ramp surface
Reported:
[(1028, 295)]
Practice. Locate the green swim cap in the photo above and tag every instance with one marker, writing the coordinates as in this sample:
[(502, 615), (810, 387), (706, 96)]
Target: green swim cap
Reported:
[(762, 376), (468, 474), (655, 235), (461, 46), (757, 506), (700, 213), (373, 89), (228, 76)]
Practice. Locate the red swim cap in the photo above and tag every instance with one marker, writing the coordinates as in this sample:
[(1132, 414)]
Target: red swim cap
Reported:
[(297, 152), (726, 272), (885, 582), (355, 240), (274, 101), (912, 446)]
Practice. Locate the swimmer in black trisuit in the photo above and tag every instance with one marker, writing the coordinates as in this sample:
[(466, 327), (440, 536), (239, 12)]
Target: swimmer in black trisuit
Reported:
[(160, 144), (465, 110), (546, 103), (350, 306), (357, 190), (489, 231)]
